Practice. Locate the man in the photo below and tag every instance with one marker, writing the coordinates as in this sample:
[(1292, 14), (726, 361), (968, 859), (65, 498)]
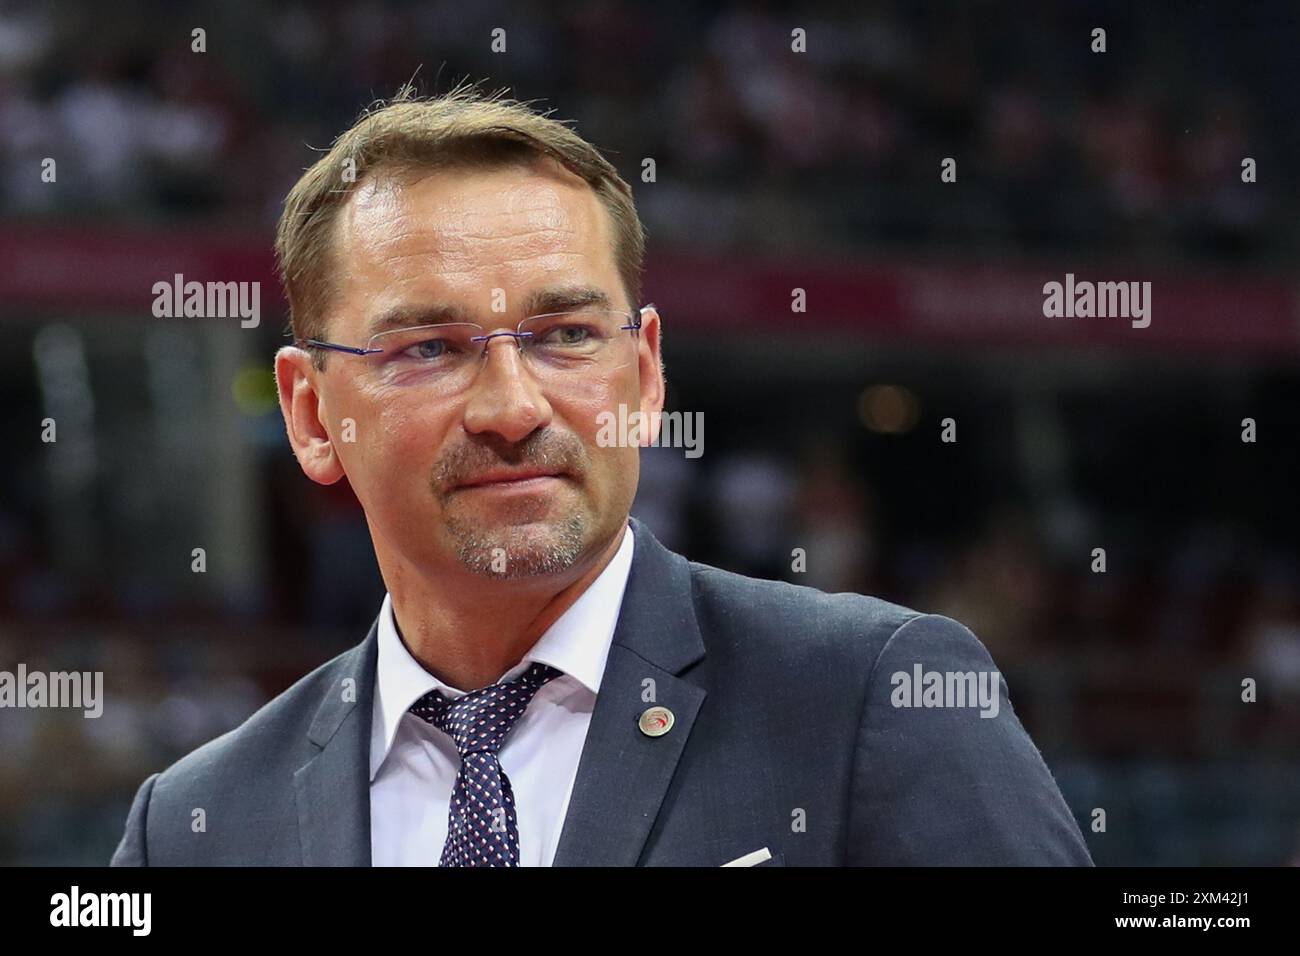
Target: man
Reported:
[(545, 683)]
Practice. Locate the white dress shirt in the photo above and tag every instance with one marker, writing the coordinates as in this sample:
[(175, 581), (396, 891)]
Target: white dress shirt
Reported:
[(413, 764)]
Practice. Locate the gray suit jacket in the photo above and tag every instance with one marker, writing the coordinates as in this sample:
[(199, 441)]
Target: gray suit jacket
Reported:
[(785, 738)]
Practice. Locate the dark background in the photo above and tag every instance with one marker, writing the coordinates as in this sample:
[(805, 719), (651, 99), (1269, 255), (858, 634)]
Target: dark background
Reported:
[(774, 170)]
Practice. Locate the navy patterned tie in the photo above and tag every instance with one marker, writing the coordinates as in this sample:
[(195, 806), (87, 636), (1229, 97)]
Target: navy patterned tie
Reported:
[(482, 829)]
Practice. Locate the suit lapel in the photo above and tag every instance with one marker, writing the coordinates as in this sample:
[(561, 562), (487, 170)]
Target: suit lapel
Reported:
[(333, 787), (623, 774)]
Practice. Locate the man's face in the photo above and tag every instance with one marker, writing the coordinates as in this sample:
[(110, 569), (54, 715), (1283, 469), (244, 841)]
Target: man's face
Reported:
[(416, 459)]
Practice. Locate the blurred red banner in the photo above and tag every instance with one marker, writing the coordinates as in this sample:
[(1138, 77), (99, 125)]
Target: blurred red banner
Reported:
[(935, 303)]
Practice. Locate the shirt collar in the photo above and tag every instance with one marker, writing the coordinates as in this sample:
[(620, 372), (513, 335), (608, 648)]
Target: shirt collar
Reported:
[(577, 644)]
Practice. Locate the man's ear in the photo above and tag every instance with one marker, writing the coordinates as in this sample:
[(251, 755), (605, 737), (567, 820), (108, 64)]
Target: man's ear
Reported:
[(653, 381), (304, 416)]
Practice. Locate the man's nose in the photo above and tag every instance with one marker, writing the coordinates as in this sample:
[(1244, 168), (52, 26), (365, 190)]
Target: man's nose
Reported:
[(505, 397)]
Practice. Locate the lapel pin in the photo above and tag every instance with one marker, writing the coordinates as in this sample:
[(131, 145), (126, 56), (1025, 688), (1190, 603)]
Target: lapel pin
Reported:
[(656, 721)]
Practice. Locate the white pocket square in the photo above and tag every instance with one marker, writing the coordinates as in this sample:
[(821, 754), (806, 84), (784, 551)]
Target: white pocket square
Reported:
[(751, 859)]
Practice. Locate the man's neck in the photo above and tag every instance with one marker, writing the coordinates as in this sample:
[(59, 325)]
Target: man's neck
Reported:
[(467, 632)]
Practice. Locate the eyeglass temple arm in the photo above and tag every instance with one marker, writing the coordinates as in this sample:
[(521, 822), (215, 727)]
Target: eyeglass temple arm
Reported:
[(335, 347), (636, 317)]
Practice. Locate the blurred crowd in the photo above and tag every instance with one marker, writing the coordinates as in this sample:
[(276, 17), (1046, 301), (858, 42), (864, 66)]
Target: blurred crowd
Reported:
[(1057, 146)]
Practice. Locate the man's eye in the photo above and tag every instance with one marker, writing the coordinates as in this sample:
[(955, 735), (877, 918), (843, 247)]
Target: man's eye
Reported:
[(428, 349), (567, 335)]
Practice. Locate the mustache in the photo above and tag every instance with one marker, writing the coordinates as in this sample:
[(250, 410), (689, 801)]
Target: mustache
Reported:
[(553, 451)]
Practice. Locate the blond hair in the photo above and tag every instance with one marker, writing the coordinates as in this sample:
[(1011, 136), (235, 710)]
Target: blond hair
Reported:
[(462, 127)]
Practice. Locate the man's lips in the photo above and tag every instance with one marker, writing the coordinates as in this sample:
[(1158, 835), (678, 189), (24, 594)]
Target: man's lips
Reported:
[(506, 479)]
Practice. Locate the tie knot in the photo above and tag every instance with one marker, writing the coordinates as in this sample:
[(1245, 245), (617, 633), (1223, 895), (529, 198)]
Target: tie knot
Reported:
[(479, 721)]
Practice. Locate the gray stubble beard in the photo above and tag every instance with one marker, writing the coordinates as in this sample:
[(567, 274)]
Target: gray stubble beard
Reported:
[(476, 548)]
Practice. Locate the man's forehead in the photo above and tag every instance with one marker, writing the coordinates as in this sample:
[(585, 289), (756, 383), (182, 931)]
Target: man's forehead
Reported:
[(449, 237), (459, 205)]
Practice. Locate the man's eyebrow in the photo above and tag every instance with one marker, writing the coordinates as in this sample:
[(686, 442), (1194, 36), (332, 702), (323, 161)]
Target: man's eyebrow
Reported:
[(565, 299), (541, 302), (409, 316)]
